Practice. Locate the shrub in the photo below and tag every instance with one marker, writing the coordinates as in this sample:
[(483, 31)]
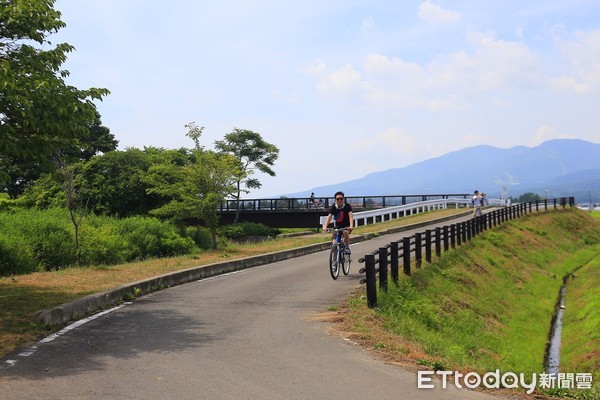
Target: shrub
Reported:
[(16, 256), (149, 237), (200, 235), (101, 245), (48, 233), (244, 229)]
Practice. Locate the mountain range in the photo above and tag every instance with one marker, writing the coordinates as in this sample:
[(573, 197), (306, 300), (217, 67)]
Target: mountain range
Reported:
[(556, 168)]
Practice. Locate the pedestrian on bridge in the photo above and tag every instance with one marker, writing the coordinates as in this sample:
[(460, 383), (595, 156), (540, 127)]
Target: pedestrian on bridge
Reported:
[(477, 202)]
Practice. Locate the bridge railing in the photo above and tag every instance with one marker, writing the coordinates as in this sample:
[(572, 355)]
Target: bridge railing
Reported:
[(323, 203), (385, 214), (390, 257)]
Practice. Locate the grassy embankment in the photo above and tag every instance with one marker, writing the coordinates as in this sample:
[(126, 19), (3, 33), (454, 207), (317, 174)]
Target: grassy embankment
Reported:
[(22, 296), (488, 305)]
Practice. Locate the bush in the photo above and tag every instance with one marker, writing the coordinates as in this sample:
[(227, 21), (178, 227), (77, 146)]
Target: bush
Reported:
[(32, 240), (149, 237), (200, 235), (245, 229), (16, 256), (47, 233), (100, 244)]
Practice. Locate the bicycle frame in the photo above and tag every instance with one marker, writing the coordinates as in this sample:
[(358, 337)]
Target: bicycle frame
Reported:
[(338, 256)]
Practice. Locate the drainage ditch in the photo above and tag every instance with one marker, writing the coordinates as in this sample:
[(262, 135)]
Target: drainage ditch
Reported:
[(552, 359)]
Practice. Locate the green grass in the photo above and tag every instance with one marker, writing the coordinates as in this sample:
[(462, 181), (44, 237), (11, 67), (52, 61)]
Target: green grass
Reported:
[(580, 345), (489, 304)]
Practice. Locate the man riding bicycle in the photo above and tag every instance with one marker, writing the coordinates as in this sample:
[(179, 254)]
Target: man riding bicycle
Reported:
[(342, 215)]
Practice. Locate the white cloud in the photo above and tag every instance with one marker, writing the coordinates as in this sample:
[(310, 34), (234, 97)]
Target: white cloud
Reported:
[(449, 82), (435, 14), (582, 56), (367, 24), (392, 140), (546, 132), (340, 82)]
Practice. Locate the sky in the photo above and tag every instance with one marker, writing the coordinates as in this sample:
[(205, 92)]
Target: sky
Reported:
[(342, 88)]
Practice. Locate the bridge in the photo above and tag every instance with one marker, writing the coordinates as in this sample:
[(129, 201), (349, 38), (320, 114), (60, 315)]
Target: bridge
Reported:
[(301, 212)]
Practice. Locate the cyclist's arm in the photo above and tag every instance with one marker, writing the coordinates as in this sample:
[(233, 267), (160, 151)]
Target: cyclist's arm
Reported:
[(351, 218), (326, 223)]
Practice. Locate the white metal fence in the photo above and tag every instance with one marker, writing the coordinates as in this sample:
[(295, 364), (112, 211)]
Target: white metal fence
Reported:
[(384, 214)]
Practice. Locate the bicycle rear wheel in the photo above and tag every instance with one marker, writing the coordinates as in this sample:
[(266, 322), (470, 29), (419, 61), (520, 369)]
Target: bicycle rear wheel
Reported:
[(334, 264)]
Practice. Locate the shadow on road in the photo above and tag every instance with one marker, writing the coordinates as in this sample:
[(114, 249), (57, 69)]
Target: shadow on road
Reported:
[(124, 334)]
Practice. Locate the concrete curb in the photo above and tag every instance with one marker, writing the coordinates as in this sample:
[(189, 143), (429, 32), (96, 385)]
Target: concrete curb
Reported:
[(90, 304)]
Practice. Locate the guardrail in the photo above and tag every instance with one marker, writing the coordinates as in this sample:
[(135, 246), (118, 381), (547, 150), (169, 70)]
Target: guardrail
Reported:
[(434, 240)]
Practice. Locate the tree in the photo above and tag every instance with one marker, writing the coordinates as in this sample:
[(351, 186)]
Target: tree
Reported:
[(198, 188), (23, 172), (74, 204), (253, 153), (40, 113), (527, 197)]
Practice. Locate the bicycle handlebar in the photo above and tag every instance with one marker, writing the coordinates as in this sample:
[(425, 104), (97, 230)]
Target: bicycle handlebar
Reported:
[(329, 230)]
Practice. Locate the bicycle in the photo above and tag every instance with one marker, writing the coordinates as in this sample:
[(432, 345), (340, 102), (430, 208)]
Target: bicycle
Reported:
[(337, 256)]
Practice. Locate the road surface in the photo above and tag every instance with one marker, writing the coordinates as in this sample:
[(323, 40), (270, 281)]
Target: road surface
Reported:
[(246, 335)]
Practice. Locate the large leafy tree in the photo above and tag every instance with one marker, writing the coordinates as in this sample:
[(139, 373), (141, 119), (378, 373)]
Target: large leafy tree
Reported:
[(198, 188), (22, 171), (112, 184), (253, 153), (40, 114)]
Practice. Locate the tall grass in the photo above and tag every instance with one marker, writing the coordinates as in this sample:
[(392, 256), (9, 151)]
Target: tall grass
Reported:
[(34, 240)]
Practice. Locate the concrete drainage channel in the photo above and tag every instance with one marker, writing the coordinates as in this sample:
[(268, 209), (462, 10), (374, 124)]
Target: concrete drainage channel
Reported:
[(91, 304)]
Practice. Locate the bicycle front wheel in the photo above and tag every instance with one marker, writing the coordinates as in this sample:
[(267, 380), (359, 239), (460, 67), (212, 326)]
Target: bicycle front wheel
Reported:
[(346, 264), (334, 262)]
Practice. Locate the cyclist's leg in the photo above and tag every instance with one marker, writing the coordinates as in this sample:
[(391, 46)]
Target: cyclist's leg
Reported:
[(347, 240)]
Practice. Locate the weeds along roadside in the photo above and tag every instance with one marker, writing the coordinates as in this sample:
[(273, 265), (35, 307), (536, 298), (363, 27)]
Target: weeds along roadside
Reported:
[(489, 303)]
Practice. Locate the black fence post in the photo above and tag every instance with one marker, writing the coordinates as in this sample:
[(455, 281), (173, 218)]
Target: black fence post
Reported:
[(418, 250), (394, 249), (446, 238), (464, 230), (371, 280), (469, 229), (406, 255), (383, 269), (428, 245), (453, 236), (438, 241)]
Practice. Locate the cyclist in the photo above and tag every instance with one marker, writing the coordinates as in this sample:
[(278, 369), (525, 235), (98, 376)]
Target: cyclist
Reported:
[(341, 212)]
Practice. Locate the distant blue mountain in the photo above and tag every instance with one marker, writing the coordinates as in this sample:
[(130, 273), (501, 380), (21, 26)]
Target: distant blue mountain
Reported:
[(556, 167)]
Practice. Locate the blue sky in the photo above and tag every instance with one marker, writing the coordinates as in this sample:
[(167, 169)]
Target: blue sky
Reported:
[(343, 88)]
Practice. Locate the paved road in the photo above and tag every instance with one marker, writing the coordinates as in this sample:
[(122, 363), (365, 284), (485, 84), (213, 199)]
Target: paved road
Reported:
[(248, 335)]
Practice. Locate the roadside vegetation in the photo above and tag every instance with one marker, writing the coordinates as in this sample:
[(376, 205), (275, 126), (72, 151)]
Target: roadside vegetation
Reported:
[(489, 304)]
